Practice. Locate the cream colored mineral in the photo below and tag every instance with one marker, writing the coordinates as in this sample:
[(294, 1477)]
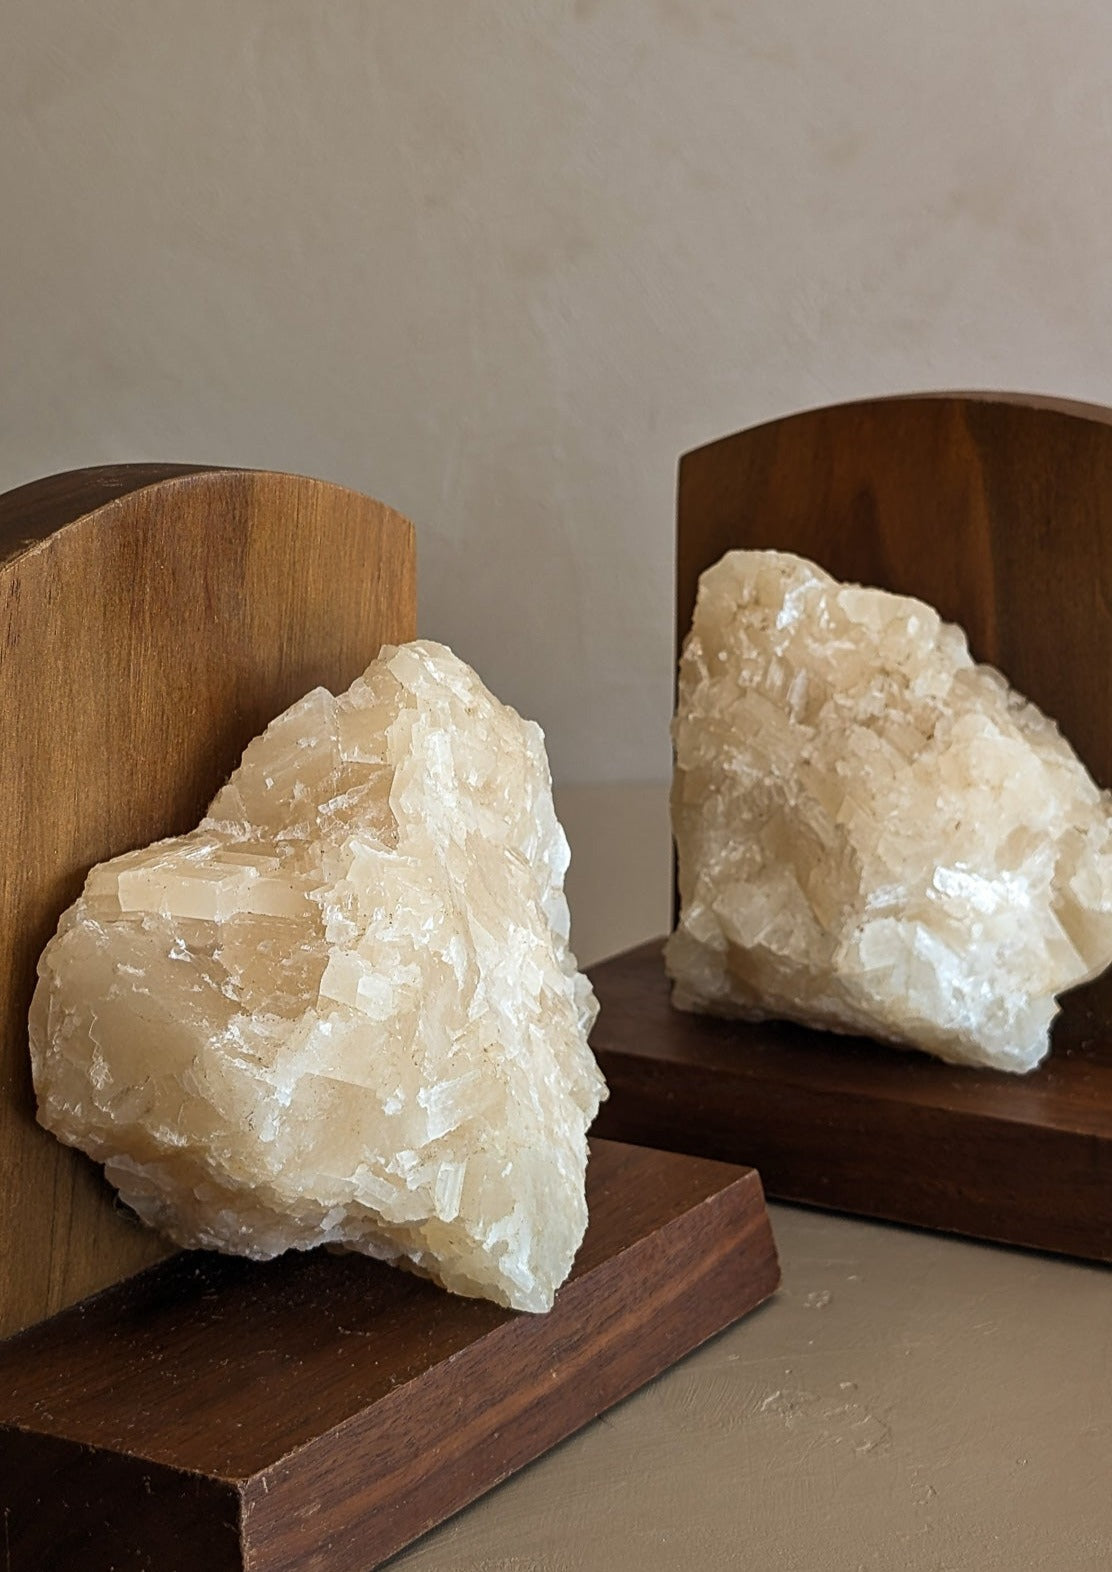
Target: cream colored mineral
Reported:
[(875, 835), (343, 1009)]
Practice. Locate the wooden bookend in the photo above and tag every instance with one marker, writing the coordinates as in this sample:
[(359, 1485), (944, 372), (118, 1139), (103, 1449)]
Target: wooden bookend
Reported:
[(999, 514), (210, 1413), (153, 619), (323, 1410)]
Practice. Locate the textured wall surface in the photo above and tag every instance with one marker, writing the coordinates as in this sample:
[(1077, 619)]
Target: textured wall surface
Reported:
[(499, 265)]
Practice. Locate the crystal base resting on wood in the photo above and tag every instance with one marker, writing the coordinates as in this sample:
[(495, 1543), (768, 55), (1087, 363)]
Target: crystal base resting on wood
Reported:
[(861, 1127), (322, 1410)]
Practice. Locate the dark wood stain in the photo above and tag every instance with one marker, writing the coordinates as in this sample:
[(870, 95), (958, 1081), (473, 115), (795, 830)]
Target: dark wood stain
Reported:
[(860, 1127), (1000, 514), (322, 1411)]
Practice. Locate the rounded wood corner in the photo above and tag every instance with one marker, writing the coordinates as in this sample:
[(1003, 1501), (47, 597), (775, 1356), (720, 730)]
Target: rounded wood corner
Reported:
[(927, 399), (153, 619), (994, 508)]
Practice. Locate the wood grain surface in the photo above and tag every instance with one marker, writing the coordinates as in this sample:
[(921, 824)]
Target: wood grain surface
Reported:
[(153, 618), (321, 1411), (999, 514), (860, 1127)]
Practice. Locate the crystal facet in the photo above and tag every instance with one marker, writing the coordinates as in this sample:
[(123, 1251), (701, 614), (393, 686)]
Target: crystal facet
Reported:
[(875, 835), (343, 1009)]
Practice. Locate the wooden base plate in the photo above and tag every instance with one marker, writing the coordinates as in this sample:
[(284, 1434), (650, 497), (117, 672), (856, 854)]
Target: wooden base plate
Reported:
[(324, 1410), (859, 1127)]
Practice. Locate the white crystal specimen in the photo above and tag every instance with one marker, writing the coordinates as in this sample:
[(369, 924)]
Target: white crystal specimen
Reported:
[(343, 1009), (875, 835)]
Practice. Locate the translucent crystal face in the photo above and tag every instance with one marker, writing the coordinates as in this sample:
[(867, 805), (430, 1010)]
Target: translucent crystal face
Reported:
[(343, 1009), (875, 835)]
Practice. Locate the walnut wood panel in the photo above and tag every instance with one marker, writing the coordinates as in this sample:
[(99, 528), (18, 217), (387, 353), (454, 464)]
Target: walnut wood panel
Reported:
[(860, 1127), (1000, 514), (323, 1410), (152, 619)]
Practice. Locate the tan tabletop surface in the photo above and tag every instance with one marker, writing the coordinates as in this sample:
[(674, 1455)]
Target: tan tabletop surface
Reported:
[(906, 1401)]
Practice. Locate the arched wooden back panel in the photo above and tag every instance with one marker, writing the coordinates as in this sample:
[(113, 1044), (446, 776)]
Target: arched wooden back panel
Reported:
[(999, 512), (153, 618)]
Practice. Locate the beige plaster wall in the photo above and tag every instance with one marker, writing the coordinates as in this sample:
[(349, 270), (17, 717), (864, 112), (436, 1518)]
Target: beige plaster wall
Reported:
[(499, 263)]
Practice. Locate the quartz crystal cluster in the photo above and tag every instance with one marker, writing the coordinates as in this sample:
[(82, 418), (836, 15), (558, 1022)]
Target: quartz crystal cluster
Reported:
[(875, 835), (343, 1009)]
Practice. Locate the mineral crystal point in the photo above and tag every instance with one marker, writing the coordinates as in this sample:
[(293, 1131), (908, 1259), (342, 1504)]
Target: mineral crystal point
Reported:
[(875, 835), (343, 1009)]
